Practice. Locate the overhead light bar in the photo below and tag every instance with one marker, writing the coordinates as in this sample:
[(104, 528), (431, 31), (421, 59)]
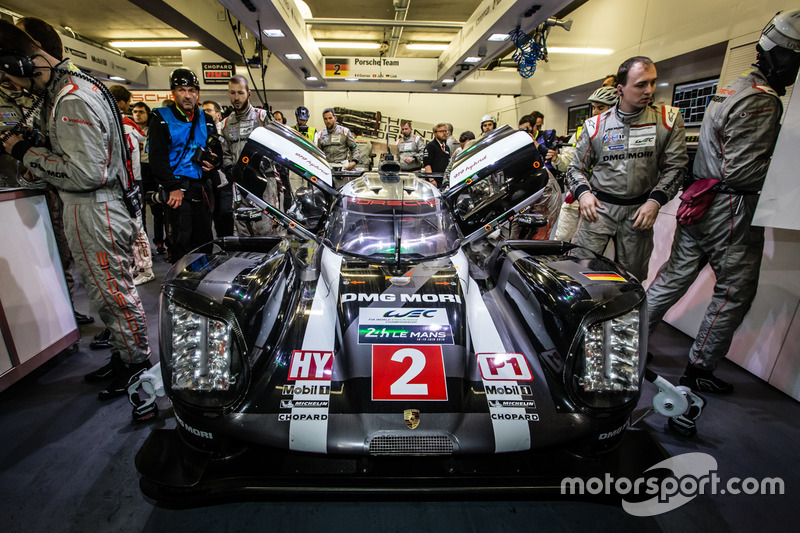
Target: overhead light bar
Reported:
[(473, 59), (116, 78), (448, 80), (312, 78), (274, 33), (408, 81), (342, 44), (585, 51), (351, 79), (154, 44), (428, 46), (499, 37), (293, 56)]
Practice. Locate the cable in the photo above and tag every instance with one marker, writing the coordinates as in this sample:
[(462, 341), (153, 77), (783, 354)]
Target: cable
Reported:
[(237, 35), (529, 51)]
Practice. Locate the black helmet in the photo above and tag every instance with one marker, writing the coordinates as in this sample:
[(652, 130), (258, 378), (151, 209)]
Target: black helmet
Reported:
[(183, 76), (302, 113)]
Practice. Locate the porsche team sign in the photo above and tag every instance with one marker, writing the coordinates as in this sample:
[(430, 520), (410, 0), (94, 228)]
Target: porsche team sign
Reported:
[(380, 68)]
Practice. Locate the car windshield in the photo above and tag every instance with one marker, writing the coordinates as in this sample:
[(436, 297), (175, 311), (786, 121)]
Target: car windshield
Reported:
[(373, 217)]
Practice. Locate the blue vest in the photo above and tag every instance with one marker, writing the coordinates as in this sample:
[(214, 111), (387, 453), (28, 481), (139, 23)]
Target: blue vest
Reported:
[(179, 134)]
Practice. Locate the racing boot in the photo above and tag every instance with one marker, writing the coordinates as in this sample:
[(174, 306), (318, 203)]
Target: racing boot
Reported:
[(82, 319), (107, 371), (125, 372), (101, 340), (702, 380)]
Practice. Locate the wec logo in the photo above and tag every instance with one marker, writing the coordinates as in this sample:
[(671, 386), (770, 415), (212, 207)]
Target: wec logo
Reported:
[(414, 313)]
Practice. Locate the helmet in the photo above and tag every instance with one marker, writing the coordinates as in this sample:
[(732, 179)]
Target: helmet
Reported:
[(605, 95), (783, 31), (183, 76), (488, 118), (779, 50), (301, 113)]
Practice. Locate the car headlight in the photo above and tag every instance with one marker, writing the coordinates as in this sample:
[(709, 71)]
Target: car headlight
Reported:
[(201, 352), (201, 358), (608, 369)]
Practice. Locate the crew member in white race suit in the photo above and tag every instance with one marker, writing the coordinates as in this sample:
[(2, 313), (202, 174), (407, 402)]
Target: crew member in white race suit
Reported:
[(236, 130), (409, 148), (337, 143), (629, 161), (739, 131), (85, 163)]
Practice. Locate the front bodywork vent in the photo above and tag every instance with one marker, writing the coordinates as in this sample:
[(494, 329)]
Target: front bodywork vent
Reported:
[(411, 445)]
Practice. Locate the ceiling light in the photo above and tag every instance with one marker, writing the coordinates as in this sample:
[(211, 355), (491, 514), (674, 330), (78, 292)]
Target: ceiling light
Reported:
[(274, 33), (499, 37), (154, 44), (312, 78), (473, 59), (429, 46), (116, 78), (586, 51), (351, 79), (448, 80), (408, 81), (293, 56), (342, 44), (663, 84)]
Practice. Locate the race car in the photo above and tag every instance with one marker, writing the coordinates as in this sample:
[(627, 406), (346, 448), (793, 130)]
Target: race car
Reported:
[(392, 333)]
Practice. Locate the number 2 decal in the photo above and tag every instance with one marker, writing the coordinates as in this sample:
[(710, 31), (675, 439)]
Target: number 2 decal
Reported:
[(408, 373)]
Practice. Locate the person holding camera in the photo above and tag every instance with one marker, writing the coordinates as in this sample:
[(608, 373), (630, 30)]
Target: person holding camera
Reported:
[(86, 160), (182, 150)]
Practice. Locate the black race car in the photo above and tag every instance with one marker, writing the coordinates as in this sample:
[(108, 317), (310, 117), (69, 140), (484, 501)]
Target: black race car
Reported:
[(393, 340)]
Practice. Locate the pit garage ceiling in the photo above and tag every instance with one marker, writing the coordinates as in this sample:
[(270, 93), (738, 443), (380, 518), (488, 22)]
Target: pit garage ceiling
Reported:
[(441, 22)]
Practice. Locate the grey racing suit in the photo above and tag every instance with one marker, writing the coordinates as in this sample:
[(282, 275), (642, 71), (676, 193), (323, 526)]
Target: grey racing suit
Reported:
[(739, 131), (84, 163), (411, 146), (338, 145), (236, 130), (626, 161)]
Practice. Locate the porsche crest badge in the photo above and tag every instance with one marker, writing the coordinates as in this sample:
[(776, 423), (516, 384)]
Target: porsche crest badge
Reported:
[(411, 416)]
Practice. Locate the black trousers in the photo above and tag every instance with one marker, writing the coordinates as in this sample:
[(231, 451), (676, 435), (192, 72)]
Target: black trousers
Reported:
[(190, 223)]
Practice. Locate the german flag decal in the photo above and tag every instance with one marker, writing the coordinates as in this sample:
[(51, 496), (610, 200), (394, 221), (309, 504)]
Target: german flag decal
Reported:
[(604, 276)]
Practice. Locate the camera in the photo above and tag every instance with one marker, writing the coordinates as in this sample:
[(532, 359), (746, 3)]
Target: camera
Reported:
[(158, 197), (203, 154)]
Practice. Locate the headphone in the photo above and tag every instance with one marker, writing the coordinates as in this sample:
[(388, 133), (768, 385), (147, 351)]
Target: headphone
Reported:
[(15, 64)]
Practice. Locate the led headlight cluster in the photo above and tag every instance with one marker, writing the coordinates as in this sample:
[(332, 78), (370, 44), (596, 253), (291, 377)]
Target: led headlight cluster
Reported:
[(201, 352), (611, 358)]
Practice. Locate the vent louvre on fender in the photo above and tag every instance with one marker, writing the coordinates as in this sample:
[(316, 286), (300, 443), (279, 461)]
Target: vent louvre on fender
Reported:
[(411, 445)]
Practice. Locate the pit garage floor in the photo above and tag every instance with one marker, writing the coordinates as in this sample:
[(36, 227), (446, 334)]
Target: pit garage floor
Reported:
[(66, 464)]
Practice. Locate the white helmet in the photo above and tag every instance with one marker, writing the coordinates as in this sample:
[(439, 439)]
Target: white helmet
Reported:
[(783, 31), (489, 118), (605, 95)]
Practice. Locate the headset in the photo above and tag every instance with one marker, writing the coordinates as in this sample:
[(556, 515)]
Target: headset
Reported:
[(16, 64)]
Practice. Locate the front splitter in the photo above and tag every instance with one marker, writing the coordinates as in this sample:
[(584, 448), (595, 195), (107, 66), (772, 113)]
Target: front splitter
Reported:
[(175, 475)]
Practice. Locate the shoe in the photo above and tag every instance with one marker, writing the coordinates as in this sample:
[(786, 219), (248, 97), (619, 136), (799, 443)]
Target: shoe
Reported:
[(82, 319), (144, 277), (101, 341), (161, 249), (125, 372), (107, 371), (702, 380)]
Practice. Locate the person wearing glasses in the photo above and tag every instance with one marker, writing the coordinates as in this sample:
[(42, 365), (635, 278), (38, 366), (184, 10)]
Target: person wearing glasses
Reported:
[(436, 155)]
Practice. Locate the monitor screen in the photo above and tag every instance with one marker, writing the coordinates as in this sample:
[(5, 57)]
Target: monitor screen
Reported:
[(692, 97)]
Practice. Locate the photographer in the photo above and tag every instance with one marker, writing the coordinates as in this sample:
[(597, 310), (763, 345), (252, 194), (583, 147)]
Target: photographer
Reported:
[(182, 151), (85, 161)]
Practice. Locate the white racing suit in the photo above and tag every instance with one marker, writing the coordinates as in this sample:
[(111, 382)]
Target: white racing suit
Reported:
[(739, 131), (625, 161), (236, 130), (411, 146), (568, 215), (142, 258), (84, 164), (339, 146)]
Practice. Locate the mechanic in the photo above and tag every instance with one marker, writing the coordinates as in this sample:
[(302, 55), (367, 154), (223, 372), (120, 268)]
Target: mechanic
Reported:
[(277, 116), (236, 130), (452, 143), (542, 140), (179, 156), (338, 144), (737, 137), (302, 115), (436, 156), (409, 148), (86, 162), (629, 161), (222, 188), (602, 99), (13, 108), (488, 123), (141, 115)]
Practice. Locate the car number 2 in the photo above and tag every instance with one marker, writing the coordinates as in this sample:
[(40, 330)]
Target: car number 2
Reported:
[(408, 373)]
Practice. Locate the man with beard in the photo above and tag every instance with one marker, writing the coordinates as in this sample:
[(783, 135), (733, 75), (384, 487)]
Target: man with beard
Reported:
[(236, 130)]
